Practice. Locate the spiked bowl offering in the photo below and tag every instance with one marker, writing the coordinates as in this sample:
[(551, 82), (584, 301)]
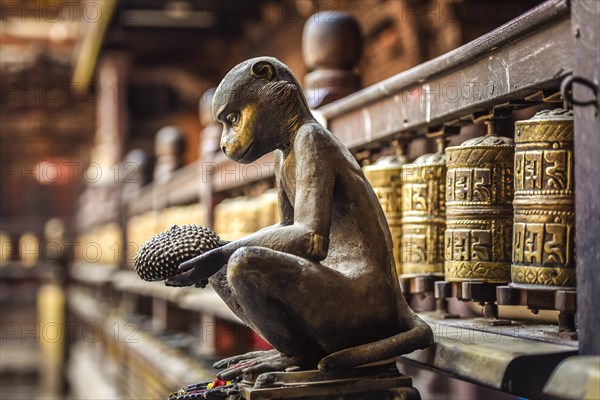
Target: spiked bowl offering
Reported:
[(160, 256)]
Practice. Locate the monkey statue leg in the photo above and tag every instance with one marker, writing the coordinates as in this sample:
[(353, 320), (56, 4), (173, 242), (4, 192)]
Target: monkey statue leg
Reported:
[(255, 276), (220, 285), (236, 365), (279, 333)]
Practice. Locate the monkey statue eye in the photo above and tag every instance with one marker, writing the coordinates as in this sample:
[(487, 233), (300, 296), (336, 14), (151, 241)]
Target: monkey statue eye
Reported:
[(233, 118)]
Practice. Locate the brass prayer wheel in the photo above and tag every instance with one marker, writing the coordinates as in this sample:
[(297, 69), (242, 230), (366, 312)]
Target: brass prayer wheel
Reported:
[(544, 226), (479, 198), (385, 175), (424, 214)]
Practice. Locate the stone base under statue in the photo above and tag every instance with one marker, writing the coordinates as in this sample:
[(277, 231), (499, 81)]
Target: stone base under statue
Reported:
[(378, 382)]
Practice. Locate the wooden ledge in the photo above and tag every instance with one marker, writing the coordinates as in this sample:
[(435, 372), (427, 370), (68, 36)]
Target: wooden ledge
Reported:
[(512, 359), (577, 377)]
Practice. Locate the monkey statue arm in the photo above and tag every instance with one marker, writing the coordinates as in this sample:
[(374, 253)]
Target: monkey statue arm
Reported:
[(306, 237), (292, 239)]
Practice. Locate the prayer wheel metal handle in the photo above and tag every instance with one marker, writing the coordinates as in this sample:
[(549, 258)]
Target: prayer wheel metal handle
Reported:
[(566, 89)]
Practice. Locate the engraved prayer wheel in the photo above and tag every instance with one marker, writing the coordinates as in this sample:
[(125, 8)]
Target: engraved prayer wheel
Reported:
[(385, 175), (479, 196), (424, 214), (544, 225)]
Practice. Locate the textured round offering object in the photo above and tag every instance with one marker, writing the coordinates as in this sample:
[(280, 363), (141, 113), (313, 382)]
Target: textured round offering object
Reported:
[(160, 256)]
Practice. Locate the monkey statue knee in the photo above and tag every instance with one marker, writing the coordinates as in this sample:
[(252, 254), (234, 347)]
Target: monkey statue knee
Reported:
[(327, 282)]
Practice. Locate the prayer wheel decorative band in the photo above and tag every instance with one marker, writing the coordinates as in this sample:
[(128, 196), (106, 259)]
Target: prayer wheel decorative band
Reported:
[(424, 214), (479, 210), (385, 175), (544, 226)]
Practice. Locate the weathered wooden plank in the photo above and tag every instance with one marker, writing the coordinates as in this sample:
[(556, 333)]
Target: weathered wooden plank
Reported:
[(520, 68), (509, 32), (511, 359), (182, 189)]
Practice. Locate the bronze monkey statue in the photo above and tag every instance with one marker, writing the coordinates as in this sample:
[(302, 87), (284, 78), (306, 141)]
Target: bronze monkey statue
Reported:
[(321, 286)]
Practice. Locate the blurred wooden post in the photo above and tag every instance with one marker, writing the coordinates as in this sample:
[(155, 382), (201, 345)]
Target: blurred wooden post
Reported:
[(52, 311), (169, 146), (209, 147), (331, 46), (111, 111), (211, 132), (136, 172)]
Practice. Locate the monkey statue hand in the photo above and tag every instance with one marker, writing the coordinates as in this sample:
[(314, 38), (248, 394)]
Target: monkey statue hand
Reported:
[(197, 270)]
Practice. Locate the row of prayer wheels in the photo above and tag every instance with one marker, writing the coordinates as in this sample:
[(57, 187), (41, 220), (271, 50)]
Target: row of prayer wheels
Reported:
[(491, 210)]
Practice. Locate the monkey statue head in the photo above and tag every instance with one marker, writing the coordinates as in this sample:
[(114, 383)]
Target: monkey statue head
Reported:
[(261, 106)]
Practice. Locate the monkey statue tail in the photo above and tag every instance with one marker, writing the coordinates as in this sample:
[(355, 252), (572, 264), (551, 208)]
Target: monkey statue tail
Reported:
[(418, 336)]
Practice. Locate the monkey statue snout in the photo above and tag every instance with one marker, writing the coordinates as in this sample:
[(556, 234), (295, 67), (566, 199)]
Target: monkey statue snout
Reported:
[(225, 144), (239, 149)]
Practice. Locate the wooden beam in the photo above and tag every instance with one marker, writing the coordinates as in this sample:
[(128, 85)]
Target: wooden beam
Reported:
[(530, 53)]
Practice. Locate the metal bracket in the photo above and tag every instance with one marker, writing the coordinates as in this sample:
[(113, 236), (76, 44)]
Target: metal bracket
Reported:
[(566, 89)]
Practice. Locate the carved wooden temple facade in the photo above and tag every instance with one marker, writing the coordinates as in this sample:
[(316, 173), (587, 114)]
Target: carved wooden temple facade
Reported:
[(476, 123)]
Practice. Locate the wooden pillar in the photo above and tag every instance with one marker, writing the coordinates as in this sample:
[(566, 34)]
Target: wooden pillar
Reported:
[(209, 147), (169, 147), (585, 28), (136, 172), (111, 115), (331, 46)]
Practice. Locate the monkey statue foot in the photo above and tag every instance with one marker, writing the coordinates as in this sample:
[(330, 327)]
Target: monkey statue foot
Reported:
[(251, 365), (215, 390)]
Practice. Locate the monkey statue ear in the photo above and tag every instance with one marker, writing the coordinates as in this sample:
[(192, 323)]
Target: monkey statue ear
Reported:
[(263, 70)]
